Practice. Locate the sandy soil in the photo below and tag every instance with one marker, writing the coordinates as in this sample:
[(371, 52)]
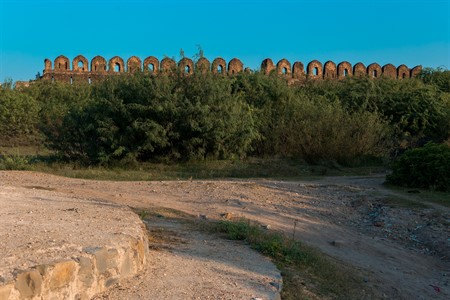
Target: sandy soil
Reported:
[(187, 264), (404, 252)]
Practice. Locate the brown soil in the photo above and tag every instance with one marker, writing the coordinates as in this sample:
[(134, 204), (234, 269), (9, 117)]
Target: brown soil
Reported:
[(404, 252)]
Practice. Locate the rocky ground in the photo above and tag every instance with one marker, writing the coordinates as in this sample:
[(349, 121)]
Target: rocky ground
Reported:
[(404, 251)]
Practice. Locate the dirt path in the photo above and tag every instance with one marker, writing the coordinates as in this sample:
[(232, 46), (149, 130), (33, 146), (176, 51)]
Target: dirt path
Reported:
[(404, 252), (187, 264)]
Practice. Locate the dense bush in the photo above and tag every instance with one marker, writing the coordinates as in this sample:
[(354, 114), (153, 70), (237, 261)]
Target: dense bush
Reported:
[(18, 115), (426, 167), (143, 117)]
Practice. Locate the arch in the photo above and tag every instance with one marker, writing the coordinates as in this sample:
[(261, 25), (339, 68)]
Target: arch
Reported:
[(116, 64), (315, 70), (416, 71), (329, 70), (359, 70), (284, 67), (390, 71), (374, 70), (219, 66), (403, 72), (149, 62), (298, 70), (47, 65), (203, 65), (61, 64), (235, 66), (98, 64), (168, 65), (186, 66), (80, 64), (134, 64), (344, 69), (267, 66)]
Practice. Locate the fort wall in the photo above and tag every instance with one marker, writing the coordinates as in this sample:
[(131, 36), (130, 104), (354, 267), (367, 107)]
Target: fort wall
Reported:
[(79, 71)]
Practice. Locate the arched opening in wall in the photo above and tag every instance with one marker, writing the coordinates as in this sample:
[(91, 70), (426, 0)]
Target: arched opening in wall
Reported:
[(220, 69), (284, 71), (345, 72), (404, 75), (187, 69), (117, 67), (151, 67), (316, 71), (66, 66), (374, 73), (81, 65), (71, 80), (95, 68), (53, 79)]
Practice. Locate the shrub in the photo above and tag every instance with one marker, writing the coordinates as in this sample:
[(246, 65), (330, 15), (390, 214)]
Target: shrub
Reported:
[(18, 115), (427, 167)]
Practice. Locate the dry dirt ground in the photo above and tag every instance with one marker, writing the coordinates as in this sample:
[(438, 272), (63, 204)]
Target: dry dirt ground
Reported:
[(404, 252)]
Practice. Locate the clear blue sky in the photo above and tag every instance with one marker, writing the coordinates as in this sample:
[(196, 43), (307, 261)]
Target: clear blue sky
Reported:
[(410, 32)]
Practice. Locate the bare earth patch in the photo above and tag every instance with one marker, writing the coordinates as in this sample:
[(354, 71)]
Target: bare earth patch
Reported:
[(403, 251)]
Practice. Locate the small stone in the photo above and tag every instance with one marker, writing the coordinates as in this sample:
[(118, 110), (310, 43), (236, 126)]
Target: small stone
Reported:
[(337, 243), (378, 224), (227, 216)]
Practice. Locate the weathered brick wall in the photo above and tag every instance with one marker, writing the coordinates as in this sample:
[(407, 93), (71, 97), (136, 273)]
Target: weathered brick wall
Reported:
[(81, 73)]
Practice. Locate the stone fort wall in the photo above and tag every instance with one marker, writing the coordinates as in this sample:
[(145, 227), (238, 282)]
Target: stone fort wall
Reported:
[(81, 70)]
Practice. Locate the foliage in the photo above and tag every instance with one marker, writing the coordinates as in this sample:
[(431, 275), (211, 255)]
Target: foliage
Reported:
[(427, 167), (124, 120), (18, 114), (144, 117), (439, 77)]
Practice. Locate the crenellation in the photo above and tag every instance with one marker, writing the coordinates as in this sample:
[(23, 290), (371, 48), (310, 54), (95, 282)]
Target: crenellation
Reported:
[(61, 64), (80, 72), (219, 66), (98, 64), (235, 66), (167, 65), (298, 71), (374, 70), (403, 72), (116, 65), (186, 66), (80, 64), (267, 66), (284, 67), (359, 70), (344, 69), (389, 70), (329, 70), (314, 70), (134, 64), (151, 65), (203, 65)]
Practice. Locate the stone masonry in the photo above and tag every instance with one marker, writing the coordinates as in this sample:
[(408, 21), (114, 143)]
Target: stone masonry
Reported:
[(100, 68)]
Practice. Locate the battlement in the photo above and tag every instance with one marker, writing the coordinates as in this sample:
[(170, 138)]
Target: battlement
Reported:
[(99, 68)]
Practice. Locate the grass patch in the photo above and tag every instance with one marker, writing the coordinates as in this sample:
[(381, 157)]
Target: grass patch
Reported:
[(403, 202), (418, 197), (307, 273), (283, 169)]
